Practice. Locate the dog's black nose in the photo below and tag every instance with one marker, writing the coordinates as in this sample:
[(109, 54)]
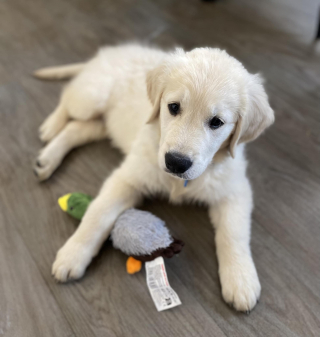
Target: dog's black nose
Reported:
[(177, 163)]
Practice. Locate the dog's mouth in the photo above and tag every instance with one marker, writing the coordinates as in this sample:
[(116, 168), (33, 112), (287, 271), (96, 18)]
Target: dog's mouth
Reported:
[(182, 176)]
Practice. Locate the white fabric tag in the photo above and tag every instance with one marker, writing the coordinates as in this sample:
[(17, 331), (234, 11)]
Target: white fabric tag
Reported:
[(164, 297)]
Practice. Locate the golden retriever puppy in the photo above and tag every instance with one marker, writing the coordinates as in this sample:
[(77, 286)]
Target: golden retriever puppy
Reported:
[(178, 117)]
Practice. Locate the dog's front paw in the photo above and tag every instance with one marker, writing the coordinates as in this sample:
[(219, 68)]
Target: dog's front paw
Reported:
[(71, 261), (240, 285)]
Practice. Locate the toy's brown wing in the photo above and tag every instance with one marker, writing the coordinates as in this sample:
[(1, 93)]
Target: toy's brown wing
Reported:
[(168, 252)]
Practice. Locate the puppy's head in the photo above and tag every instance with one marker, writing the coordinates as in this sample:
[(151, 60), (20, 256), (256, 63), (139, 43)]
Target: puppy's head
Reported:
[(206, 100)]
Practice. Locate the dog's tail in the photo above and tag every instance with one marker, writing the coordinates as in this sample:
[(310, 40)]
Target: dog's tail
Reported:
[(59, 73)]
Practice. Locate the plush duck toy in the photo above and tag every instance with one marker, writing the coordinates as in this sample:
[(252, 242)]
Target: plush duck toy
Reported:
[(139, 234)]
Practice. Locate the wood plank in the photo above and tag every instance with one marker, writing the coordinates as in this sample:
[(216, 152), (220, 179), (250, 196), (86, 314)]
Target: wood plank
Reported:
[(27, 306)]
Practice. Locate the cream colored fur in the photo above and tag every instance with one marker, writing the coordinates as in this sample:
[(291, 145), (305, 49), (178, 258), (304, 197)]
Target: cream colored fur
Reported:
[(108, 97)]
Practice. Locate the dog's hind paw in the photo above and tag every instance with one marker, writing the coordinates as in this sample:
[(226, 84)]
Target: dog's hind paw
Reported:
[(53, 124), (46, 163)]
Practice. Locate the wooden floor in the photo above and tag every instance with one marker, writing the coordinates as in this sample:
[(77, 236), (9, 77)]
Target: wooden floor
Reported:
[(271, 36)]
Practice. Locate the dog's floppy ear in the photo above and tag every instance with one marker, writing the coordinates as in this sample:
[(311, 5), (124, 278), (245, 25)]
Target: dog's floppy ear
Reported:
[(256, 116), (155, 87)]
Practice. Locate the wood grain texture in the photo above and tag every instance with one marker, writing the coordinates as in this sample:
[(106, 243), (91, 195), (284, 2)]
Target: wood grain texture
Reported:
[(28, 307), (272, 37)]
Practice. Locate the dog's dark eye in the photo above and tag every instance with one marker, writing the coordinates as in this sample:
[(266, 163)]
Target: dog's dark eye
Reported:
[(174, 108), (216, 123)]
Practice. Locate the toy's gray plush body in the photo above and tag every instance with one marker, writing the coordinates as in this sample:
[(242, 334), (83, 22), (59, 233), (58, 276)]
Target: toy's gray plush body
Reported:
[(140, 233)]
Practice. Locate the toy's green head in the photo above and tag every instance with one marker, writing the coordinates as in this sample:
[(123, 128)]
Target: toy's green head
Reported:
[(75, 204)]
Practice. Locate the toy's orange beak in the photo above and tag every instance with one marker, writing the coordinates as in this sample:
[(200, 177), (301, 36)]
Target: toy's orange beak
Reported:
[(133, 265)]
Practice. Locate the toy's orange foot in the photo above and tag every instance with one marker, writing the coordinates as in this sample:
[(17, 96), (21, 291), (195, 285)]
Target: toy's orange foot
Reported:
[(133, 265)]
